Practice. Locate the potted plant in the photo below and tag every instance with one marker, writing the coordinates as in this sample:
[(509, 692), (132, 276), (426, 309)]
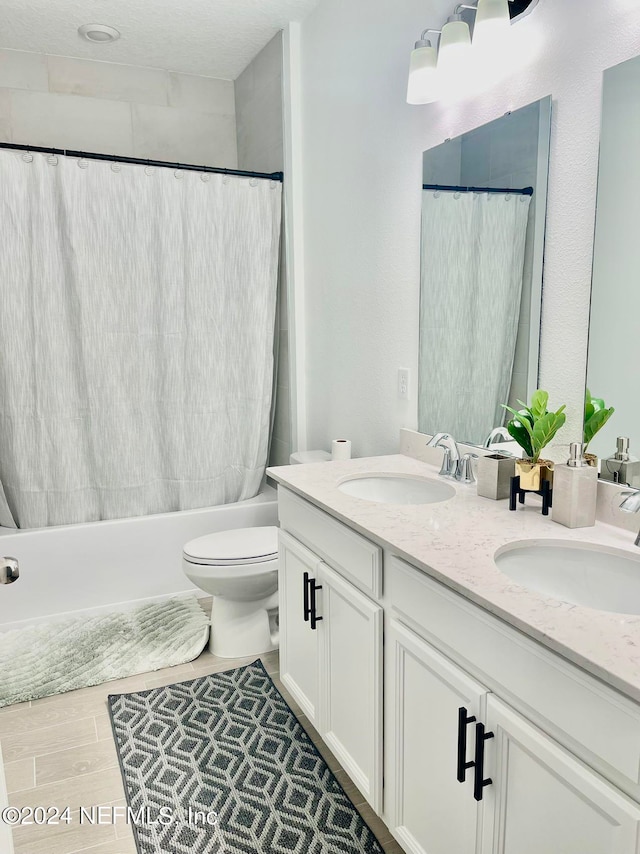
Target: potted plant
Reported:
[(596, 416), (533, 427)]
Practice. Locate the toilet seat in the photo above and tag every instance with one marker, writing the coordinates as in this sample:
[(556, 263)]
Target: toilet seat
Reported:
[(237, 547)]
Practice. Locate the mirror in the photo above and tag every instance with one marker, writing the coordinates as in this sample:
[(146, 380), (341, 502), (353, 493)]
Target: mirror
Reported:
[(484, 202), (615, 299)]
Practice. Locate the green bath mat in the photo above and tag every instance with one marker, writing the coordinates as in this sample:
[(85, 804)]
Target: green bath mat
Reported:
[(51, 658)]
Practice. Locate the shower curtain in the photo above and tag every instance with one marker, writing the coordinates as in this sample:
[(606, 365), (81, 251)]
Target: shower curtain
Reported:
[(136, 338), (472, 268)]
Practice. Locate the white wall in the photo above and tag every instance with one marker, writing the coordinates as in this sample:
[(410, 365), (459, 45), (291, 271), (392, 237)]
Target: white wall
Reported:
[(79, 104), (361, 150)]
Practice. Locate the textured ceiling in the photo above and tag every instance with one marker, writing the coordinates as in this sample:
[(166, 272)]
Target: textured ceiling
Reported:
[(215, 38)]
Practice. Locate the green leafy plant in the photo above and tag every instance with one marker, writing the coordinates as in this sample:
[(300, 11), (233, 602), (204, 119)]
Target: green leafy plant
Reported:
[(533, 427), (596, 416)]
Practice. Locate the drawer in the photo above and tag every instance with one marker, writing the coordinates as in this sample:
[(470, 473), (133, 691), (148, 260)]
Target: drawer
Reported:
[(352, 555), (596, 723)]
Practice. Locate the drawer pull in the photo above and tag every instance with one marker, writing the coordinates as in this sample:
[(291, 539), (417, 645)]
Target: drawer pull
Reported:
[(312, 591), (479, 781), (464, 719), (306, 610)]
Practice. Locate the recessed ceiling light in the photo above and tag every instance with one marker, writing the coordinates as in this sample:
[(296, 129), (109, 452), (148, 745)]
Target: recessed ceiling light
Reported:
[(98, 33)]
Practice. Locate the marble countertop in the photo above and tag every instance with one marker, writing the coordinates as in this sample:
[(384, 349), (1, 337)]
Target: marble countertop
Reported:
[(455, 543)]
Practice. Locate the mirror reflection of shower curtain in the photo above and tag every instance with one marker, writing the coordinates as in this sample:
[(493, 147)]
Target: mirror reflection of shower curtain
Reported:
[(136, 338), (473, 249)]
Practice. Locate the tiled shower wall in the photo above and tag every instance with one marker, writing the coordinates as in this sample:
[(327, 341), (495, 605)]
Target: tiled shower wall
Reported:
[(260, 148), (79, 104)]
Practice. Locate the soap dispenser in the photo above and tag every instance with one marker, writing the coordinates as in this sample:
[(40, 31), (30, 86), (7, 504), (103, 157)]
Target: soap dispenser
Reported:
[(575, 491), (622, 467)]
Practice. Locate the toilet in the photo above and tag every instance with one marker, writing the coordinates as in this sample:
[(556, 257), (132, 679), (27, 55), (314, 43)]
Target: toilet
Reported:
[(239, 568)]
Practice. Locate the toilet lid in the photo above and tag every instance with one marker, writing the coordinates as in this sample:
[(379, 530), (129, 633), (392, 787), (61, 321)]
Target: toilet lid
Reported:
[(240, 545)]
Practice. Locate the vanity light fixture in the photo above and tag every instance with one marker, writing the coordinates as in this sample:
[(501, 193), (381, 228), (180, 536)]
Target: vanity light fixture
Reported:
[(454, 52), (423, 74), (433, 71), (492, 23)]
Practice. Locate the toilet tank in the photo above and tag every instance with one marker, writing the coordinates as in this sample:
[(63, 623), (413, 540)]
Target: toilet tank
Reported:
[(301, 457)]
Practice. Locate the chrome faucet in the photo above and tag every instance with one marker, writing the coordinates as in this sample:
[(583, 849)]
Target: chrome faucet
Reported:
[(451, 453), (464, 469), (631, 504), (497, 433)]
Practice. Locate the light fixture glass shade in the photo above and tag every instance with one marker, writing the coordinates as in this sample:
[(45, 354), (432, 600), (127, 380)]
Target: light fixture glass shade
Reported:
[(423, 76), (492, 23), (454, 55)]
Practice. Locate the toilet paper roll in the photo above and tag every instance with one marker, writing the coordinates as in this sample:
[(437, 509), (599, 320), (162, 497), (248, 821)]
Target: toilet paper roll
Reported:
[(341, 449)]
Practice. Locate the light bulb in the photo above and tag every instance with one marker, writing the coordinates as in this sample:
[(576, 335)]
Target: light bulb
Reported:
[(454, 55), (423, 75), (493, 48), (492, 24)]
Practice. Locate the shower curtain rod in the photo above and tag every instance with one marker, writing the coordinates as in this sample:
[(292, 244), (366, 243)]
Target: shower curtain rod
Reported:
[(138, 161), (526, 191)]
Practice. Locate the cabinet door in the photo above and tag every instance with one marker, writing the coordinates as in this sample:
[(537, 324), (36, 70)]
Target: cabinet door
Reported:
[(543, 799), (428, 809), (298, 642), (351, 681)]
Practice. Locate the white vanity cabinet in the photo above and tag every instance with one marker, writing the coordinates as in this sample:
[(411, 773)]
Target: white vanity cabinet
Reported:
[(542, 798), (493, 744), (450, 733), (428, 809), (523, 791), (331, 638), (350, 640), (298, 641)]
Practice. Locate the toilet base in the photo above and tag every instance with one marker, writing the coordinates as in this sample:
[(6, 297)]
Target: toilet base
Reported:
[(241, 629)]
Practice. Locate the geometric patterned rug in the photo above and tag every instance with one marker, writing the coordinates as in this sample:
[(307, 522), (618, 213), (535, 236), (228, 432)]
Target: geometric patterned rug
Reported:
[(220, 765)]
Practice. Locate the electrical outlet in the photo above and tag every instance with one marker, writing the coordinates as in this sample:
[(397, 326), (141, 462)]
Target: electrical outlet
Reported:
[(403, 383)]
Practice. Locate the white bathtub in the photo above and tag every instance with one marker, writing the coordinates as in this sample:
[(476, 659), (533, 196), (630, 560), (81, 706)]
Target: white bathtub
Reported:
[(112, 565)]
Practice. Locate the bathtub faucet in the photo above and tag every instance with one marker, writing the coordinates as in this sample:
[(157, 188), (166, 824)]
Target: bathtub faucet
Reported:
[(9, 570)]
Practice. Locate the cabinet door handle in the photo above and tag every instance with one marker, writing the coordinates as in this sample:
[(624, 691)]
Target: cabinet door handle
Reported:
[(306, 612), (464, 719), (312, 590), (479, 781)]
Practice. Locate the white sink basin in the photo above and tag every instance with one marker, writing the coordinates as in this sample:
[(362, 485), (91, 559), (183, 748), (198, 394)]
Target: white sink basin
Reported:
[(604, 578), (397, 489)]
